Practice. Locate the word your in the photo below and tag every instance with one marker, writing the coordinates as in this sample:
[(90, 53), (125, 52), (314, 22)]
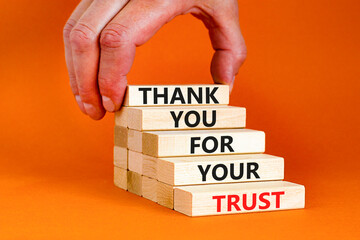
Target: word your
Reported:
[(251, 168), (196, 115), (177, 96), (260, 201), (225, 141)]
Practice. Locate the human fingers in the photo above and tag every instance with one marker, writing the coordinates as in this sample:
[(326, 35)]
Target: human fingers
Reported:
[(132, 27), (84, 40), (222, 20), (75, 16)]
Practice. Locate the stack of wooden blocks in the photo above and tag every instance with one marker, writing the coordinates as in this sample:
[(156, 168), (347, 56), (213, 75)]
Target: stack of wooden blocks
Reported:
[(184, 148)]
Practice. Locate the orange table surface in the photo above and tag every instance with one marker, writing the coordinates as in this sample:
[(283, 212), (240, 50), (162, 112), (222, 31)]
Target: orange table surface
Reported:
[(300, 84)]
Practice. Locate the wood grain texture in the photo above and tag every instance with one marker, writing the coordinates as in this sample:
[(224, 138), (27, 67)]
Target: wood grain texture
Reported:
[(120, 178), (121, 136), (219, 169), (121, 117), (149, 166), (185, 117), (149, 188), (120, 157), (179, 143), (128, 138), (165, 195), (134, 141), (135, 162), (135, 97), (134, 183), (143, 164), (215, 199)]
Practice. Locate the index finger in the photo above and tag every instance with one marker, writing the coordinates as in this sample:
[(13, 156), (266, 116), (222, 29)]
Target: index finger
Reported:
[(132, 27), (70, 24)]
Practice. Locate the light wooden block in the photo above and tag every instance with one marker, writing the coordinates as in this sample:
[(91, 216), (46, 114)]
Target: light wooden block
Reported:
[(121, 117), (149, 166), (128, 138), (134, 183), (135, 162), (165, 195), (218, 169), (120, 157), (120, 177), (215, 199), (149, 188), (202, 142), (143, 164), (134, 140), (121, 136), (184, 117), (146, 95)]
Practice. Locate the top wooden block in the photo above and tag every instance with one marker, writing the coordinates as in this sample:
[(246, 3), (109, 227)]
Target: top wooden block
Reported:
[(161, 95)]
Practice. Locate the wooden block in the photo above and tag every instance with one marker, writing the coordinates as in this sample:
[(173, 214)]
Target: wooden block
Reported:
[(121, 157), (149, 166), (149, 188), (202, 142), (121, 136), (128, 138), (120, 177), (185, 117), (134, 140), (160, 95), (143, 164), (215, 199), (121, 117), (165, 195), (135, 162), (134, 183), (219, 169)]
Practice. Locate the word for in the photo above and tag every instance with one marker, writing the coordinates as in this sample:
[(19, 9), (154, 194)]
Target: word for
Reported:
[(225, 141), (177, 96), (251, 168), (258, 200), (196, 116)]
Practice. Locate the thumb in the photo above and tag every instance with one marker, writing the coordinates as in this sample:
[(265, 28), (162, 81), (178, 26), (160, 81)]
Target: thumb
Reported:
[(226, 39)]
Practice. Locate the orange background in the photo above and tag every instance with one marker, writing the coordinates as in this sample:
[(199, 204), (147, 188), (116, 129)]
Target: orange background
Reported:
[(300, 84)]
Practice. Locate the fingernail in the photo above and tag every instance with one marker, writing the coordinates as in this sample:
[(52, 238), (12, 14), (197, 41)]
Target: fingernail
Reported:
[(90, 109), (80, 103), (108, 104)]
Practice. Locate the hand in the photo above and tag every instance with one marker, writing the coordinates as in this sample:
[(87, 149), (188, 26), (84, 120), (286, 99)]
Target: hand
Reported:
[(98, 71)]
